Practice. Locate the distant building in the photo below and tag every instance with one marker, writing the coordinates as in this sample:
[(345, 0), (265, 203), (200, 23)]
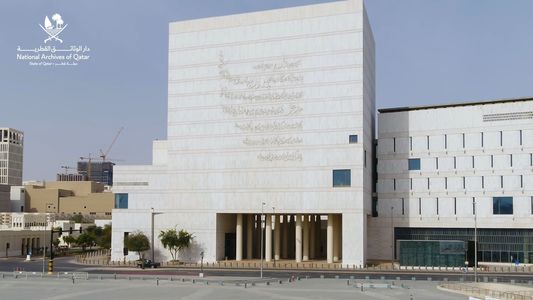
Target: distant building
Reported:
[(11, 146), (22, 233), (18, 198), (5, 205), (101, 172), (71, 177), (69, 198)]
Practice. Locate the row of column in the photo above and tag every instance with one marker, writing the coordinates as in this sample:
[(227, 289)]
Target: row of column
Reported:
[(307, 237)]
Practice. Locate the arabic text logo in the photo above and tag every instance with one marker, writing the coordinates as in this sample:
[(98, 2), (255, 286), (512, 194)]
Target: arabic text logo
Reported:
[(53, 31)]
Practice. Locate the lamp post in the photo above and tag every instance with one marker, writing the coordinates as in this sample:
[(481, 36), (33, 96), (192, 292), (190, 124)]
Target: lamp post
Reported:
[(262, 223), (274, 216), (392, 236), (475, 240)]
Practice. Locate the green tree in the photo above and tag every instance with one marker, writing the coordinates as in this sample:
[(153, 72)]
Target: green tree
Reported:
[(69, 240), (104, 240), (175, 241), (85, 240), (77, 218), (137, 242)]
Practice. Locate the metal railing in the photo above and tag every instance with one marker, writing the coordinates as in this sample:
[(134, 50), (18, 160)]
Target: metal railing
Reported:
[(482, 292)]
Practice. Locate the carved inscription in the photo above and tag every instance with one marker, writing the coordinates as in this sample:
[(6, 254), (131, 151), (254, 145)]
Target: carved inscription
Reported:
[(264, 92)]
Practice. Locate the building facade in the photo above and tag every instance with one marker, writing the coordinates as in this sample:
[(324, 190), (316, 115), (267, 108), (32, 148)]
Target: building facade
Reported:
[(24, 233), (11, 156), (69, 198), (444, 169), (268, 112), (101, 172)]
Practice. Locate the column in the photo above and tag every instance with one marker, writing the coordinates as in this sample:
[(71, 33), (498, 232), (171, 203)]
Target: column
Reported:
[(330, 239), (268, 238), (312, 235), (318, 238), (285, 234), (238, 248), (306, 238), (298, 239), (258, 236), (277, 238), (336, 238), (249, 236)]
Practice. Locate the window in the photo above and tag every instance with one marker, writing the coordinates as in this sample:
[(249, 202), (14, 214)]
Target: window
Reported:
[(353, 139), (414, 164), (482, 140), (473, 162), (464, 143), (410, 183), (501, 138), (473, 205), (403, 206), (520, 137), (419, 206), (492, 161), (445, 183), (437, 206), (464, 182), (502, 205), (393, 144), (427, 142), (522, 181), (341, 178), (482, 182), (364, 158), (394, 183), (501, 182), (436, 163), (455, 162), (511, 159), (411, 143), (445, 141), (125, 249), (428, 183), (121, 200), (532, 205)]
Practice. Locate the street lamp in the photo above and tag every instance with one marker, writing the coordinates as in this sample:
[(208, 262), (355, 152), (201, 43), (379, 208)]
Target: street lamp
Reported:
[(392, 236), (274, 216), (262, 207), (475, 240)]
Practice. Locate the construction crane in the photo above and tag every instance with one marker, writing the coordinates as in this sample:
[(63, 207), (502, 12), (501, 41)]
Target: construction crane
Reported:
[(66, 168), (103, 155), (89, 165)]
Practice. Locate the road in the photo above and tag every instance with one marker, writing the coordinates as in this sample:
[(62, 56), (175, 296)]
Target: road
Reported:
[(67, 264)]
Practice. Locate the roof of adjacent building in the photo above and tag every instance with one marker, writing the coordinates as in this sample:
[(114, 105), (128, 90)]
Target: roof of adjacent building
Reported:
[(457, 104)]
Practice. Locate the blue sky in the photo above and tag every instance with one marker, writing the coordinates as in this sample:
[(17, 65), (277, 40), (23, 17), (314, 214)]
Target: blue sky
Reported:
[(428, 52)]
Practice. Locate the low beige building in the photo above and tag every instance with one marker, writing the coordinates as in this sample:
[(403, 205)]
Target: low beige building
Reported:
[(69, 198), (24, 233)]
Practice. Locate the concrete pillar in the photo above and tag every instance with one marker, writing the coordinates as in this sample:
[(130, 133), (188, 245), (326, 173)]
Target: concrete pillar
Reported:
[(238, 248), (330, 239), (249, 236), (336, 238), (277, 238), (312, 236), (306, 238), (298, 239), (285, 235), (257, 236), (268, 238)]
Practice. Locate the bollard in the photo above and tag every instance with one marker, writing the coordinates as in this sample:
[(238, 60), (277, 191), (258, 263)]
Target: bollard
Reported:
[(193, 281), (157, 281), (72, 279), (245, 285), (268, 283)]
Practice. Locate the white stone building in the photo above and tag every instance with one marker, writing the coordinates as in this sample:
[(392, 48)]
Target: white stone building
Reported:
[(268, 111), (11, 152), (435, 163)]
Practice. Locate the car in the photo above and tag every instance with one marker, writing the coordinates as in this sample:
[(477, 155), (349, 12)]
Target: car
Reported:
[(147, 263)]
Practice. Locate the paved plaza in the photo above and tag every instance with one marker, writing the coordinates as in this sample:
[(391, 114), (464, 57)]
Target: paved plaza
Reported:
[(53, 288)]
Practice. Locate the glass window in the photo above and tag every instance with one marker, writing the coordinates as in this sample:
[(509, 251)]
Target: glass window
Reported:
[(121, 200), (502, 205), (353, 139), (414, 164), (341, 178)]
